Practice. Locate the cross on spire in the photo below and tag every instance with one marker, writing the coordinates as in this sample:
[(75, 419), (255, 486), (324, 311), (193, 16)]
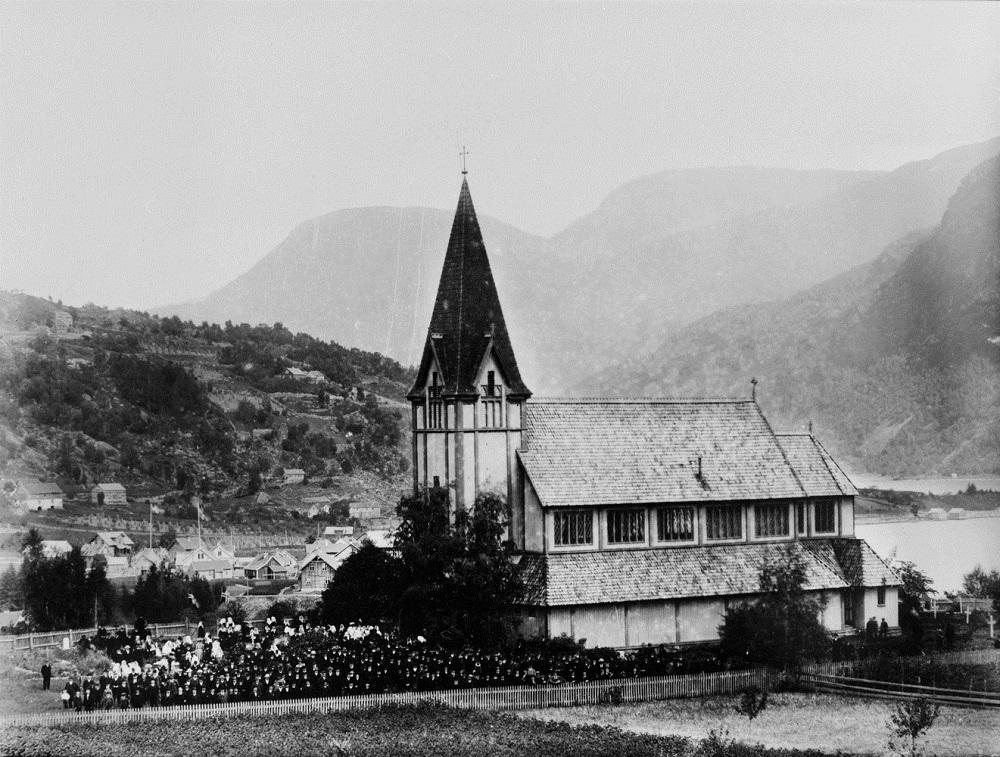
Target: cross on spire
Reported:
[(463, 155)]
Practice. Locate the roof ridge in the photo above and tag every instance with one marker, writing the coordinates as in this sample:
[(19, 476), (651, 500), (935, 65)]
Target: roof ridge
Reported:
[(784, 454), (822, 458), (825, 456)]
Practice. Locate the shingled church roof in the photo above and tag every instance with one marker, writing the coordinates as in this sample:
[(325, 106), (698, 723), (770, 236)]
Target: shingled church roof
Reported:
[(467, 319), (642, 451)]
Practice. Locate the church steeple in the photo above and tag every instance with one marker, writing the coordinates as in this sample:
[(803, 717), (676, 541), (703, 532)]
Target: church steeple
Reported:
[(467, 320)]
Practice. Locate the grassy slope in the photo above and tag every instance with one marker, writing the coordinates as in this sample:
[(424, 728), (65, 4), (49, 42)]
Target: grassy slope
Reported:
[(794, 721)]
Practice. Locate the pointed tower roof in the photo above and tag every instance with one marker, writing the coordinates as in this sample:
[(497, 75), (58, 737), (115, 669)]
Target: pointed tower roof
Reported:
[(467, 319)]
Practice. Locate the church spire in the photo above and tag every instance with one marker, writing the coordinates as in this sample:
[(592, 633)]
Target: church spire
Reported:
[(467, 318)]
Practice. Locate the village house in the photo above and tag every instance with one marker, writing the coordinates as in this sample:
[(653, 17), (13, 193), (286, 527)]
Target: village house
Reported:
[(192, 556), (148, 557), (336, 532), (108, 494), (35, 495), (115, 547), (271, 565), (317, 568), (53, 548), (293, 476), (364, 512), (637, 521)]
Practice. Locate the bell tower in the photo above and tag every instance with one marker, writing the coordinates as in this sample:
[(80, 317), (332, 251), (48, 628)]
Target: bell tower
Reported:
[(467, 403)]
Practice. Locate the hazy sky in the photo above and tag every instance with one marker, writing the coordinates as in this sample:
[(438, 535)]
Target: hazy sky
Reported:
[(151, 152)]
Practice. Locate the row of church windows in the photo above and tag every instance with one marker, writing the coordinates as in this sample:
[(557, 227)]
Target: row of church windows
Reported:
[(678, 524), (490, 405)]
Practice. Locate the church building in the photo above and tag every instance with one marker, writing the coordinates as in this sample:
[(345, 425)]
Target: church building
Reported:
[(637, 521)]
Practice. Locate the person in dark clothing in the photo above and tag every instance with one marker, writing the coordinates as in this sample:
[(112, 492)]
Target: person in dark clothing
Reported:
[(871, 629), (46, 676), (883, 630)]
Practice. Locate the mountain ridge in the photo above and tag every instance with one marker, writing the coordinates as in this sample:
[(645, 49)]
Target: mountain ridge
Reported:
[(366, 277)]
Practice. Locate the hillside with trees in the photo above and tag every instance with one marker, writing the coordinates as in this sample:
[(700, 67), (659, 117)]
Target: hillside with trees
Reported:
[(896, 363), (180, 410)]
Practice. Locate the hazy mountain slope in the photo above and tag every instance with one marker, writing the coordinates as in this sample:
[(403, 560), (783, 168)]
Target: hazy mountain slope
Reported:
[(645, 290), (366, 275), (892, 360), (615, 283), (650, 208)]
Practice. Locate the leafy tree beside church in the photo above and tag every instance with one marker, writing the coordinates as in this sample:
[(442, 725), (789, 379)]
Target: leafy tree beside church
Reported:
[(452, 579), (782, 627)]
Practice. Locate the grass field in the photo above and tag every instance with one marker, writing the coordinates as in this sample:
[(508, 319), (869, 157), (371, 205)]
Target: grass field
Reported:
[(793, 721), (426, 731)]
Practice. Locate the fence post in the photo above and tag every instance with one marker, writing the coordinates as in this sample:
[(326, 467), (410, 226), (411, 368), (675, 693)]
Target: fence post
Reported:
[(30, 640)]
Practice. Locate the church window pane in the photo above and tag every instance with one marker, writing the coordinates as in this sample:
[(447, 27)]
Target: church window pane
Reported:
[(573, 528), (724, 523), (825, 517), (771, 520), (800, 517), (626, 526), (675, 524)]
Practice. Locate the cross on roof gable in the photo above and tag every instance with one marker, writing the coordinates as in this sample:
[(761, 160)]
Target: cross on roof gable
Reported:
[(467, 314)]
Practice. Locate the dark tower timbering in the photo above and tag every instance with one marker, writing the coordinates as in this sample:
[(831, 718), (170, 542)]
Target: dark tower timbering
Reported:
[(468, 398)]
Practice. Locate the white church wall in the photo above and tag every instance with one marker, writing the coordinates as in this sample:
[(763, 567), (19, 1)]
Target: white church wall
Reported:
[(469, 466), (699, 619), (832, 615), (534, 520), (847, 516), (436, 453), (651, 623), (889, 610), (493, 461)]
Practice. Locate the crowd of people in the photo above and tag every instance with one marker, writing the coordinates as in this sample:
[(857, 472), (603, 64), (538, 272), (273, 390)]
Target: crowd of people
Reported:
[(292, 658)]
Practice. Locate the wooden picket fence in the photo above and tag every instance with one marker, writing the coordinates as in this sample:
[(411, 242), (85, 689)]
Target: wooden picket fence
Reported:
[(612, 691), (48, 639)]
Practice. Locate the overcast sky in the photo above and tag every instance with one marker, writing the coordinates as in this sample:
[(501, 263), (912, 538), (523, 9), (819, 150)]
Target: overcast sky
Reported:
[(151, 152)]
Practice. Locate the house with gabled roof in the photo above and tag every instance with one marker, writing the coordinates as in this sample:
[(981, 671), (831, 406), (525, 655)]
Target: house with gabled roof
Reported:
[(148, 557), (193, 556), (636, 521), (116, 547), (37, 495), (317, 568), (109, 493), (274, 564)]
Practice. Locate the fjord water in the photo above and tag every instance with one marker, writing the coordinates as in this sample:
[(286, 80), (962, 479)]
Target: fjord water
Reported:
[(943, 549)]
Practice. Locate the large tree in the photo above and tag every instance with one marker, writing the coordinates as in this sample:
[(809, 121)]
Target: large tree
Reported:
[(453, 580), (916, 586), (781, 627), (59, 592), (365, 587), (980, 583)]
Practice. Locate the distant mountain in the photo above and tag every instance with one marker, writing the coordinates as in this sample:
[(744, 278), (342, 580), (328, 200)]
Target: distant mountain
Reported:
[(896, 361), (657, 254)]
